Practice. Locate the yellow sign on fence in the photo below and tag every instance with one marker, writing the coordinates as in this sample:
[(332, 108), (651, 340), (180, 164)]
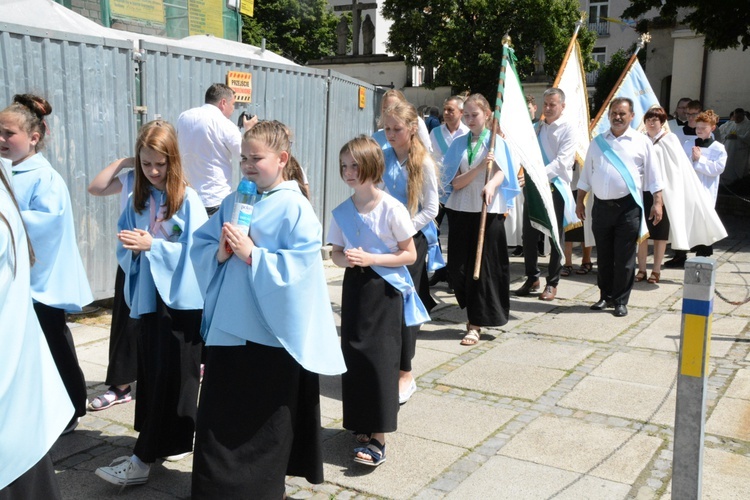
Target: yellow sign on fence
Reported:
[(146, 10), (206, 17), (242, 84), (362, 94)]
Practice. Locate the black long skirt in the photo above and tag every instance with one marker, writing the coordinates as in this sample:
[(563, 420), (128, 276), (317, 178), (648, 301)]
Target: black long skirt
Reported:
[(37, 482), (418, 272), (486, 300), (371, 326), (169, 353), (258, 420), (63, 349), (123, 338)]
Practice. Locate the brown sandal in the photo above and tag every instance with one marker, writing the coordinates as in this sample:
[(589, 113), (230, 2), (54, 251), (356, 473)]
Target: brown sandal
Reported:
[(640, 276), (654, 278)]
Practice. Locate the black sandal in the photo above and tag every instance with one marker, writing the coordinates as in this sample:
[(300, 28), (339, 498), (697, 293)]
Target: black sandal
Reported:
[(585, 268)]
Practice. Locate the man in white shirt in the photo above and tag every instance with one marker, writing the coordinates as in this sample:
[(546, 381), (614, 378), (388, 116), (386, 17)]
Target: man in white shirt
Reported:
[(557, 139), (620, 165), (680, 118), (209, 143), (442, 137)]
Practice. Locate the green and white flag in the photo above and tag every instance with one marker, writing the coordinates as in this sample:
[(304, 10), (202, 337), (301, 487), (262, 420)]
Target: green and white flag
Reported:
[(518, 131)]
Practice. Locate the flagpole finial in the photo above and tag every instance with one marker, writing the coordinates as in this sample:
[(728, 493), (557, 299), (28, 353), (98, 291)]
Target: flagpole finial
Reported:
[(580, 22), (506, 40), (643, 40)]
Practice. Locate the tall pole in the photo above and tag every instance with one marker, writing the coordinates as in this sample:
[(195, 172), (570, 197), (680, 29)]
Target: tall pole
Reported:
[(642, 41), (488, 170), (572, 44)]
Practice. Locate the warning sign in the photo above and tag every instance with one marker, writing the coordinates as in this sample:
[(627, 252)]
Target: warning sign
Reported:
[(242, 84)]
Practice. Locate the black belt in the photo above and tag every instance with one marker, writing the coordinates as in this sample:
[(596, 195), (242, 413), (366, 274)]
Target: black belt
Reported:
[(614, 203)]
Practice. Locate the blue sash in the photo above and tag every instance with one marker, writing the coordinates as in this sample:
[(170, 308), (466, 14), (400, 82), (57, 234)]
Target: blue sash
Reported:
[(360, 235), (440, 139), (380, 138), (622, 169), (570, 219), (395, 182)]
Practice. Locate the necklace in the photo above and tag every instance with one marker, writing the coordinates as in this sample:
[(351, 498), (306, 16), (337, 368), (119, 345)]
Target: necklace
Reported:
[(366, 209)]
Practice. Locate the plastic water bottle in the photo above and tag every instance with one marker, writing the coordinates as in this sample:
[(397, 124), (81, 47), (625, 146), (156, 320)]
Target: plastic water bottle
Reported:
[(247, 195)]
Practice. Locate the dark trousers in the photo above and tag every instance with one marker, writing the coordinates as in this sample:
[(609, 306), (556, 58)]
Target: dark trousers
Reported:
[(63, 349), (615, 224), (530, 239)]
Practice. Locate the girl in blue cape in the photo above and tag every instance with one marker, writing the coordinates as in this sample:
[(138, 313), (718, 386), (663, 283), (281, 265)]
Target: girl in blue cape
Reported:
[(58, 280), (118, 178), (410, 178), (372, 237), (486, 300), (34, 406), (269, 332), (156, 233)]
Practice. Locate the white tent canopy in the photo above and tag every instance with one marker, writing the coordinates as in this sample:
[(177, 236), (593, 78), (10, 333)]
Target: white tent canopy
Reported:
[(47, 14)]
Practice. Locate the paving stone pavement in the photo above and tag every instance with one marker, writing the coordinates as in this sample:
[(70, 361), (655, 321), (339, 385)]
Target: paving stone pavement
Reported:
[(561, 402)]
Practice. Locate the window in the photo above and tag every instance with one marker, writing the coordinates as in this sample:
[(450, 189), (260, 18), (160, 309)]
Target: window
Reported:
[(598, 54), (598, 10)]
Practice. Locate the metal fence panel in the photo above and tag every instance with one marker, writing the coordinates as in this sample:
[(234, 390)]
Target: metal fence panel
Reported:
[(345, 121), (175, 79), (89, 83)]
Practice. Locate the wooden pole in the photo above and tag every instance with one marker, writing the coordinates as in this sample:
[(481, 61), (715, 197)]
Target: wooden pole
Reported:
[(488, 171), (483, 217), (572, 44)]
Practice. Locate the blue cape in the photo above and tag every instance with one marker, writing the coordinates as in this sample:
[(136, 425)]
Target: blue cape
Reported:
[(509, 189), (167, 266), (58, 278), (34, 405), (281, 300)]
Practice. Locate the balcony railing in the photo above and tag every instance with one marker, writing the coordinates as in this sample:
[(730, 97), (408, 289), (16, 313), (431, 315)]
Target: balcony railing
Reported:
[(591, 78), (601, 28)]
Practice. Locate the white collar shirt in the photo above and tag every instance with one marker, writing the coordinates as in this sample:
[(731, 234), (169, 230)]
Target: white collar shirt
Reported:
[(601, 178), (559, 142), (448, 136), (209, 143)]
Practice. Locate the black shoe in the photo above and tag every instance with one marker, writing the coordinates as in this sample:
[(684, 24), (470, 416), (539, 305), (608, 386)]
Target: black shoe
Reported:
[(601, 305), (620, 310), (517, 252), (437, 277), (531, 285)]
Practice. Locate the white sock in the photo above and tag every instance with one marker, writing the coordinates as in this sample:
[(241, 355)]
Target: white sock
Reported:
[(137, 461)]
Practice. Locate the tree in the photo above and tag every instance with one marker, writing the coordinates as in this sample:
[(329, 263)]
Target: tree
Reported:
[(724, 23), (462, 38), (301, 30)]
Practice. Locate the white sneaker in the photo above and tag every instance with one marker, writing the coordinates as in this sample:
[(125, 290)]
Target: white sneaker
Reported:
[(177, 458), (124, 472), (406, 395)]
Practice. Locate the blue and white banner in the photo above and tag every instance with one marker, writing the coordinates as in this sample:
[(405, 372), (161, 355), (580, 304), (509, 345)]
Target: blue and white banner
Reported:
[(635, 86)]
